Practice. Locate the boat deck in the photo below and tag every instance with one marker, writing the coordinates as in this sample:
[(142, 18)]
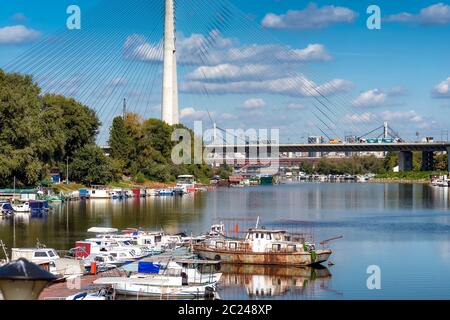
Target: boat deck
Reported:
[(61, 290)]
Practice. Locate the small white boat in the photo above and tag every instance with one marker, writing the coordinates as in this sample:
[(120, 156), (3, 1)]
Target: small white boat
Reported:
[(151, 192), (22, 207), (165, 192), (48, 257), (158, 286)]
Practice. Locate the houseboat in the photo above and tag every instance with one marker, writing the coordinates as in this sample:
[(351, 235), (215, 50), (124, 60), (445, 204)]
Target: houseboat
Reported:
[(98, 192), (263, 246)]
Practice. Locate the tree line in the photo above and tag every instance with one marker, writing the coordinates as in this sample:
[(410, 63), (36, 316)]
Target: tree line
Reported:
[(368, 164), (40, 132)]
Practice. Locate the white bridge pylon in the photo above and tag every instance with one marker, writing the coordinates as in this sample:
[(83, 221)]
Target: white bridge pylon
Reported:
[(169, 104)]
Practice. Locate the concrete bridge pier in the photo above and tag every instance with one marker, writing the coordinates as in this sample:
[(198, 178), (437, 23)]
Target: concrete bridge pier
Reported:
[(448, 159), (427, 161), (405, 159)]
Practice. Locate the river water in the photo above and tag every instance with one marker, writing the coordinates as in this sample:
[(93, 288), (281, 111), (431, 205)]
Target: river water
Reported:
[(401, 229)]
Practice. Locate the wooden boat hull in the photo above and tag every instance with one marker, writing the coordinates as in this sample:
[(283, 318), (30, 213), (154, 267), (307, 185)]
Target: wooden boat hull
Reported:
[(272, 258)]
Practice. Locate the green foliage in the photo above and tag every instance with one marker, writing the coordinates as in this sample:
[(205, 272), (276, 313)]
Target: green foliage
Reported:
[(120, 142), (144, 148), (37, 132), (410, 175), (91, 166), (390, 161), (441, 162), (224, 171), (353, 165)]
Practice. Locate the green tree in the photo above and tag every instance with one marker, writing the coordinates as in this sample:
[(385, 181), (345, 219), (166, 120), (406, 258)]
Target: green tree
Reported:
[(91, 166), (78, 123), (120, 142)]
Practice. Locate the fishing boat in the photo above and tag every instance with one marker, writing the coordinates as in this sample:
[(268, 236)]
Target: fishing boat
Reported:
[(262, 246)]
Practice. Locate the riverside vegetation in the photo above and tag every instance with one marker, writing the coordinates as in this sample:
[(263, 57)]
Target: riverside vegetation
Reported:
[(40, 132)]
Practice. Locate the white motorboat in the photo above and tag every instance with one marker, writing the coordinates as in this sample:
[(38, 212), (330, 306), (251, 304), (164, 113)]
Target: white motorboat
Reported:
[(22, 207), (158, 286), (50, 259), (151, 192)]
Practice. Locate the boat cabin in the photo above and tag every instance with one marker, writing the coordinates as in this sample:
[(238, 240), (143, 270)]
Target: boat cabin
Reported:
[(34, 255)]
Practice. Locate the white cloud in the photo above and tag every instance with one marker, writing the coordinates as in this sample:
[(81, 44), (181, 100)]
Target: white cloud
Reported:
[(438, 13), (296, 106), (17, 35), (397, 91), (365, 117), (214, 49), (404, 116), (297, 86), (312, 17), (192, 114), (231, 72), (370, 98), (442, 90), (228, 116), (254, 103)]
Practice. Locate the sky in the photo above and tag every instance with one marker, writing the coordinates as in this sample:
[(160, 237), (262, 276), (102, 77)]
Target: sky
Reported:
[(304, 67)]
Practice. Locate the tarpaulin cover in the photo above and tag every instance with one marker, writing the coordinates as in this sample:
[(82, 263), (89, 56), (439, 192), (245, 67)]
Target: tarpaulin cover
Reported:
[(148, 267)]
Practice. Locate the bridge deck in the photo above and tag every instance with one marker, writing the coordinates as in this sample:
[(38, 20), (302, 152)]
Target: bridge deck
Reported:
[(344, 147)]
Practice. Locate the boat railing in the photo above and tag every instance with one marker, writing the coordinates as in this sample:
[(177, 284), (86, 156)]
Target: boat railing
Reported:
[(247, 249)]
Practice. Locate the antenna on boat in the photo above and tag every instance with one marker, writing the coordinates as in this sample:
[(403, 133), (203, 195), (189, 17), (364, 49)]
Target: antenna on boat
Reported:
[(257, 222)]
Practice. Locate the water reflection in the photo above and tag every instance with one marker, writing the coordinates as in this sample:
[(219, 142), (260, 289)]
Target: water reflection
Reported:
[(272, 281)]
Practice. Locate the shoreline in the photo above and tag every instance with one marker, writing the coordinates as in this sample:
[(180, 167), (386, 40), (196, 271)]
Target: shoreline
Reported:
[(405, 181)]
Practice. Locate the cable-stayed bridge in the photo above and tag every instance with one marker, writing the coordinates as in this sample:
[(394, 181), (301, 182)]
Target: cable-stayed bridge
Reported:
[(162, 55)]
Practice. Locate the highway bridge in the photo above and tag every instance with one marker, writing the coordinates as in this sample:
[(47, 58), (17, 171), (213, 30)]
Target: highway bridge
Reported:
[(405, 150)]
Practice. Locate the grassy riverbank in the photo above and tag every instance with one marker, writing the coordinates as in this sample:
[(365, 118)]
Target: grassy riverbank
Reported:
[(407, 177)]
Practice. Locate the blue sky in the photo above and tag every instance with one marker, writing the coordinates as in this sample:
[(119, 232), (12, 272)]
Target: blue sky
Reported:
[(400, 73)]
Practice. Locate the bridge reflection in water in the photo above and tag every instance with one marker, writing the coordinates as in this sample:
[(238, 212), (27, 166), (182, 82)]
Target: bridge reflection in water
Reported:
[(258, 282)]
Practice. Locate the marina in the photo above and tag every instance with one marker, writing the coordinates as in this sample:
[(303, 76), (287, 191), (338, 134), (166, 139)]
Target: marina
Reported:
[(170, 226)]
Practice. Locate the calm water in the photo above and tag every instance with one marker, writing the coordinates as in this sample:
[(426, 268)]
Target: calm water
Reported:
[(404, 229)]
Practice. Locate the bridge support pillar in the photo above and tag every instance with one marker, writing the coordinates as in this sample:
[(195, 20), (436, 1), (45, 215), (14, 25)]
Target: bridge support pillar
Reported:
[(448, 159), (405, 160), (427, 161)]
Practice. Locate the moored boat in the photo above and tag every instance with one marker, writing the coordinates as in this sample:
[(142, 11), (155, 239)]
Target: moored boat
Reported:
[(262, 246)]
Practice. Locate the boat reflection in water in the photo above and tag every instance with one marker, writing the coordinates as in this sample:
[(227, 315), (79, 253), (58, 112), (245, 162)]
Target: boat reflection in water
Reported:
[(262, 281)]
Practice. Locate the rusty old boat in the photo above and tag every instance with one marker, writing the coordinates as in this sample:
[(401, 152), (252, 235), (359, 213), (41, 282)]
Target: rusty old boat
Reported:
[(263, 246)]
